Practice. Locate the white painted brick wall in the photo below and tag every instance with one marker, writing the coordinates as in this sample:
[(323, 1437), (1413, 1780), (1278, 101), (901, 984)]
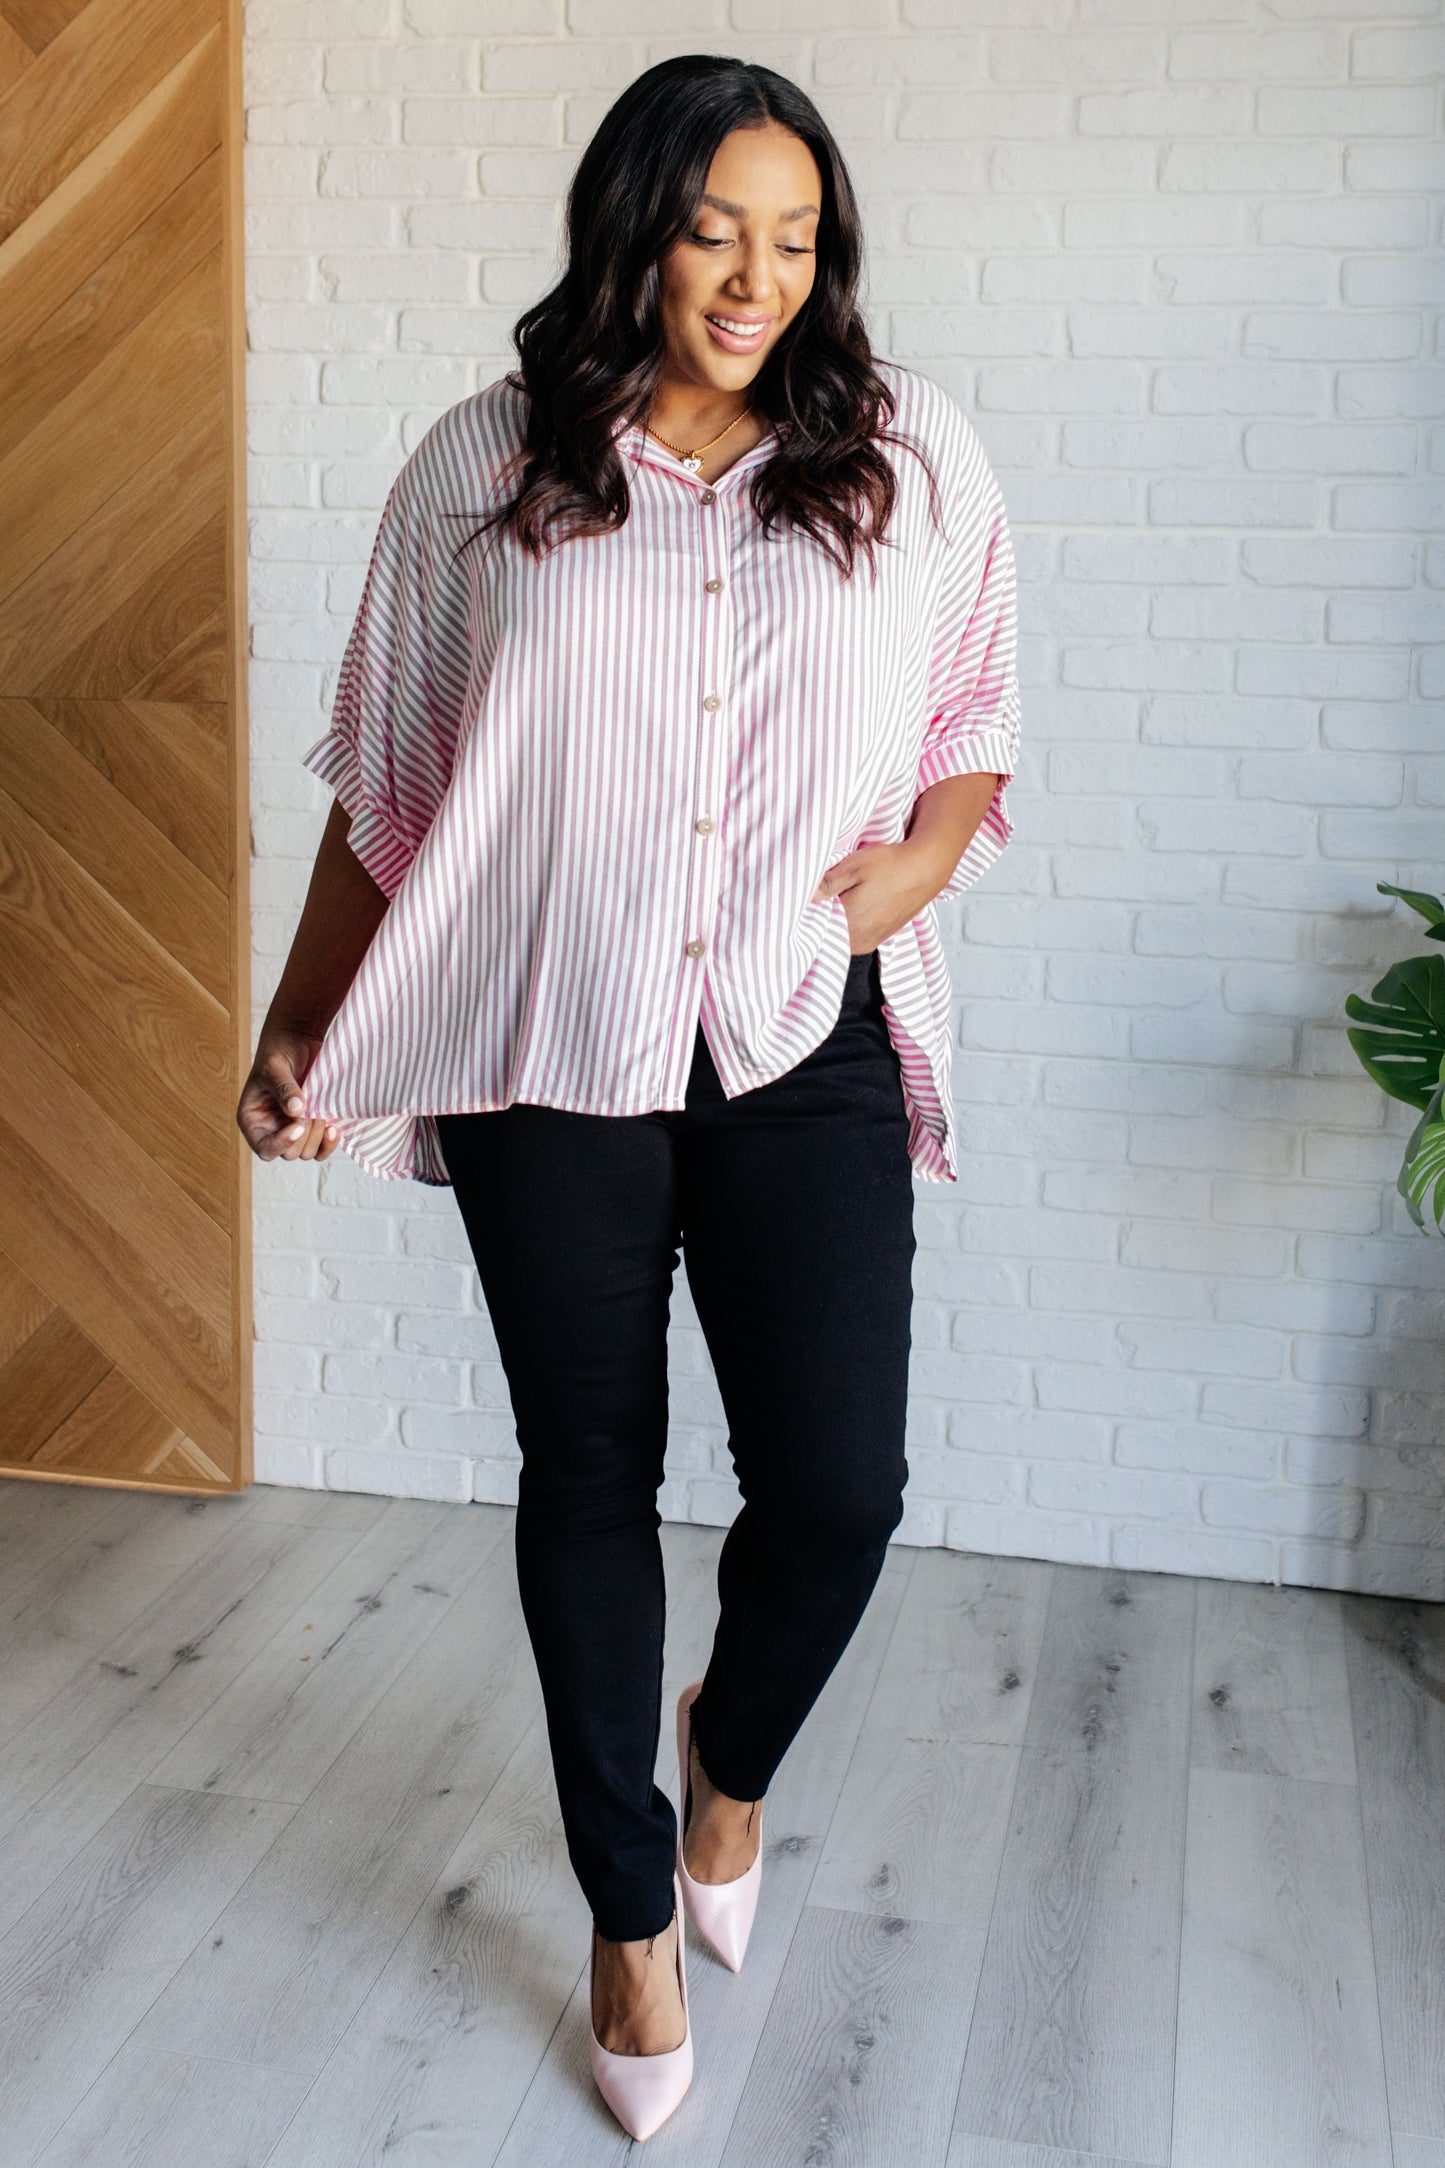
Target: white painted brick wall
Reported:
[(1180, 260)]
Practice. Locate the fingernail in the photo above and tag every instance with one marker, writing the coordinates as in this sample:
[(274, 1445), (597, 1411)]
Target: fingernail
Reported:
[(296, 1132), (331, 1129), (294, 1104)]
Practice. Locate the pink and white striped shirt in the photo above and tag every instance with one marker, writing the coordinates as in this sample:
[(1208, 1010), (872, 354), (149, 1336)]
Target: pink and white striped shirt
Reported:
[(601, 790)]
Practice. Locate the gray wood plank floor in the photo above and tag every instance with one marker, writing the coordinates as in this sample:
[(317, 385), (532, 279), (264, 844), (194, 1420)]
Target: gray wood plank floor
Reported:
[(1069, 1867)]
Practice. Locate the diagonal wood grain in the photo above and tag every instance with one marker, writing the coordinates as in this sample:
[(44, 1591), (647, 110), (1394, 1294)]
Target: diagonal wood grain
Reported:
[(152, 882), (80, 86), (108, 194), (139, 215), (156, 376), (167, 759), (143, 1270), (166, 642), (24, 1307), (125, 1334), (132, 1030), (44, 1381), (165, 505), (117, 1431), (16, 55), (35, 22)]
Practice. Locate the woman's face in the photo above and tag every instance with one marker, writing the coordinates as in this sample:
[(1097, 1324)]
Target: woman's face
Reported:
[(732, 286)]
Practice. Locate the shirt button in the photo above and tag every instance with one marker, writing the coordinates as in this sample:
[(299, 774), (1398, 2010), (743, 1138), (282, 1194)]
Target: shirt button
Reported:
[(695, 948), (708, 496), (712, 701), (704, 826), (714, 587)]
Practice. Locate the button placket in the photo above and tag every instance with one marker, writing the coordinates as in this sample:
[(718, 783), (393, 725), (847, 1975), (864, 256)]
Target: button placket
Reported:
[(713, 675)]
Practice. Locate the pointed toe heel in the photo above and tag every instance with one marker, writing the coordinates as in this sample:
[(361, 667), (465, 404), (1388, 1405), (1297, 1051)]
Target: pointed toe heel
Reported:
[(722, 1912), (643, 2090)]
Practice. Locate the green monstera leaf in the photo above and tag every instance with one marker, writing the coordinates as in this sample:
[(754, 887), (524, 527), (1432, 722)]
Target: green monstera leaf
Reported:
[(1400, 1039), (1430, 908), (1422, 1178), (1404, 1042)]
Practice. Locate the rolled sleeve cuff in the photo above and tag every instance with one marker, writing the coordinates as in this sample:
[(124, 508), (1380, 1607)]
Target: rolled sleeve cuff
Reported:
[(385, 854), (975, 752), (968, 752)]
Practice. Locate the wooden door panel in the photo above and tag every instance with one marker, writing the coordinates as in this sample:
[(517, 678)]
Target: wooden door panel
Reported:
[(99, 832), (125, 1334), (141, 1269), (80, 594), (92, 226), (81, 339), (142, 1038), (162, 757), (82, 85), (157, 377)]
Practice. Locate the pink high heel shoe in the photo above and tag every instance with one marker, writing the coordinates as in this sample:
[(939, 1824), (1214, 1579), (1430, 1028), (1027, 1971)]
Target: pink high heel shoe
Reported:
[(722, 1912), (643, 2090)]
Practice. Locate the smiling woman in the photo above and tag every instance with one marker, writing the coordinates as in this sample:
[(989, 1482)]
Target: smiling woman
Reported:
[(714, 255), (654, 789), (735, 282)]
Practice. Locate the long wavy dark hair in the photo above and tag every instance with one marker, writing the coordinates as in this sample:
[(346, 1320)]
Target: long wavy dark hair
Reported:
[(591, 350)]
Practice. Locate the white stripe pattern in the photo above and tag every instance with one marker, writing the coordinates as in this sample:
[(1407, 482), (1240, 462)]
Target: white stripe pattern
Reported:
[(600, 791)]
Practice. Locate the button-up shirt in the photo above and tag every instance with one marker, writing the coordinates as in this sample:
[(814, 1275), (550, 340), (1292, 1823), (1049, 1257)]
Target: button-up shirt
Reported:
[(600, 790)]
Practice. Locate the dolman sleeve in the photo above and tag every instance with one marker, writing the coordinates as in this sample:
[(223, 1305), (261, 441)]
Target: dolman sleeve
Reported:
[(390, 748), (973, 690)]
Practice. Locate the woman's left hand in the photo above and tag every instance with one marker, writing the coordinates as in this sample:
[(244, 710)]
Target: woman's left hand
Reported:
[(883, 886)]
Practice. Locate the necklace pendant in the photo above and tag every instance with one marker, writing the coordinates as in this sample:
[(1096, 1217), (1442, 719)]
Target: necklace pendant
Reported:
[(693, 463)]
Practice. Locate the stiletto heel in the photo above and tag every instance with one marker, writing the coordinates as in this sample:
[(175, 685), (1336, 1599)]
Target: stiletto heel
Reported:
[(722, 1912), (643, 2090)]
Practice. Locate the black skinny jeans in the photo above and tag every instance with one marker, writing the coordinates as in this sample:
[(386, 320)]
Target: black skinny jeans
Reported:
[(794, 1204)]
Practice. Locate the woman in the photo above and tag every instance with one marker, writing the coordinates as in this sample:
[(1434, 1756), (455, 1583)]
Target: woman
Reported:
[(681, 687)]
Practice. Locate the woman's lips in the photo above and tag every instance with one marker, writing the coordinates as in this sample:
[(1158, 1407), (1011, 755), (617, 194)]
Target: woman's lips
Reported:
[(733, 342)]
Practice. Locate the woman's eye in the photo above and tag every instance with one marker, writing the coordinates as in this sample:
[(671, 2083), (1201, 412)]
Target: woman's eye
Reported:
[(724, 240)]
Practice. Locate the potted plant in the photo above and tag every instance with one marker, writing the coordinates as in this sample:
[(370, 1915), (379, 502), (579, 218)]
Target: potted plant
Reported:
[(1402, 1044)]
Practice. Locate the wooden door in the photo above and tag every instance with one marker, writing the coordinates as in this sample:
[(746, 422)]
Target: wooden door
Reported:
[(125, 1332)]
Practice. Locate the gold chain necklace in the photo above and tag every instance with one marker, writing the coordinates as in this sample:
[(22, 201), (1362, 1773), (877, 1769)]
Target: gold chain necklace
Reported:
[(693, 460)]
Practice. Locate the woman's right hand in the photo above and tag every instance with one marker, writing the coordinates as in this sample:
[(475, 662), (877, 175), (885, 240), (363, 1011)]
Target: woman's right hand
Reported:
[(272, 1111)]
